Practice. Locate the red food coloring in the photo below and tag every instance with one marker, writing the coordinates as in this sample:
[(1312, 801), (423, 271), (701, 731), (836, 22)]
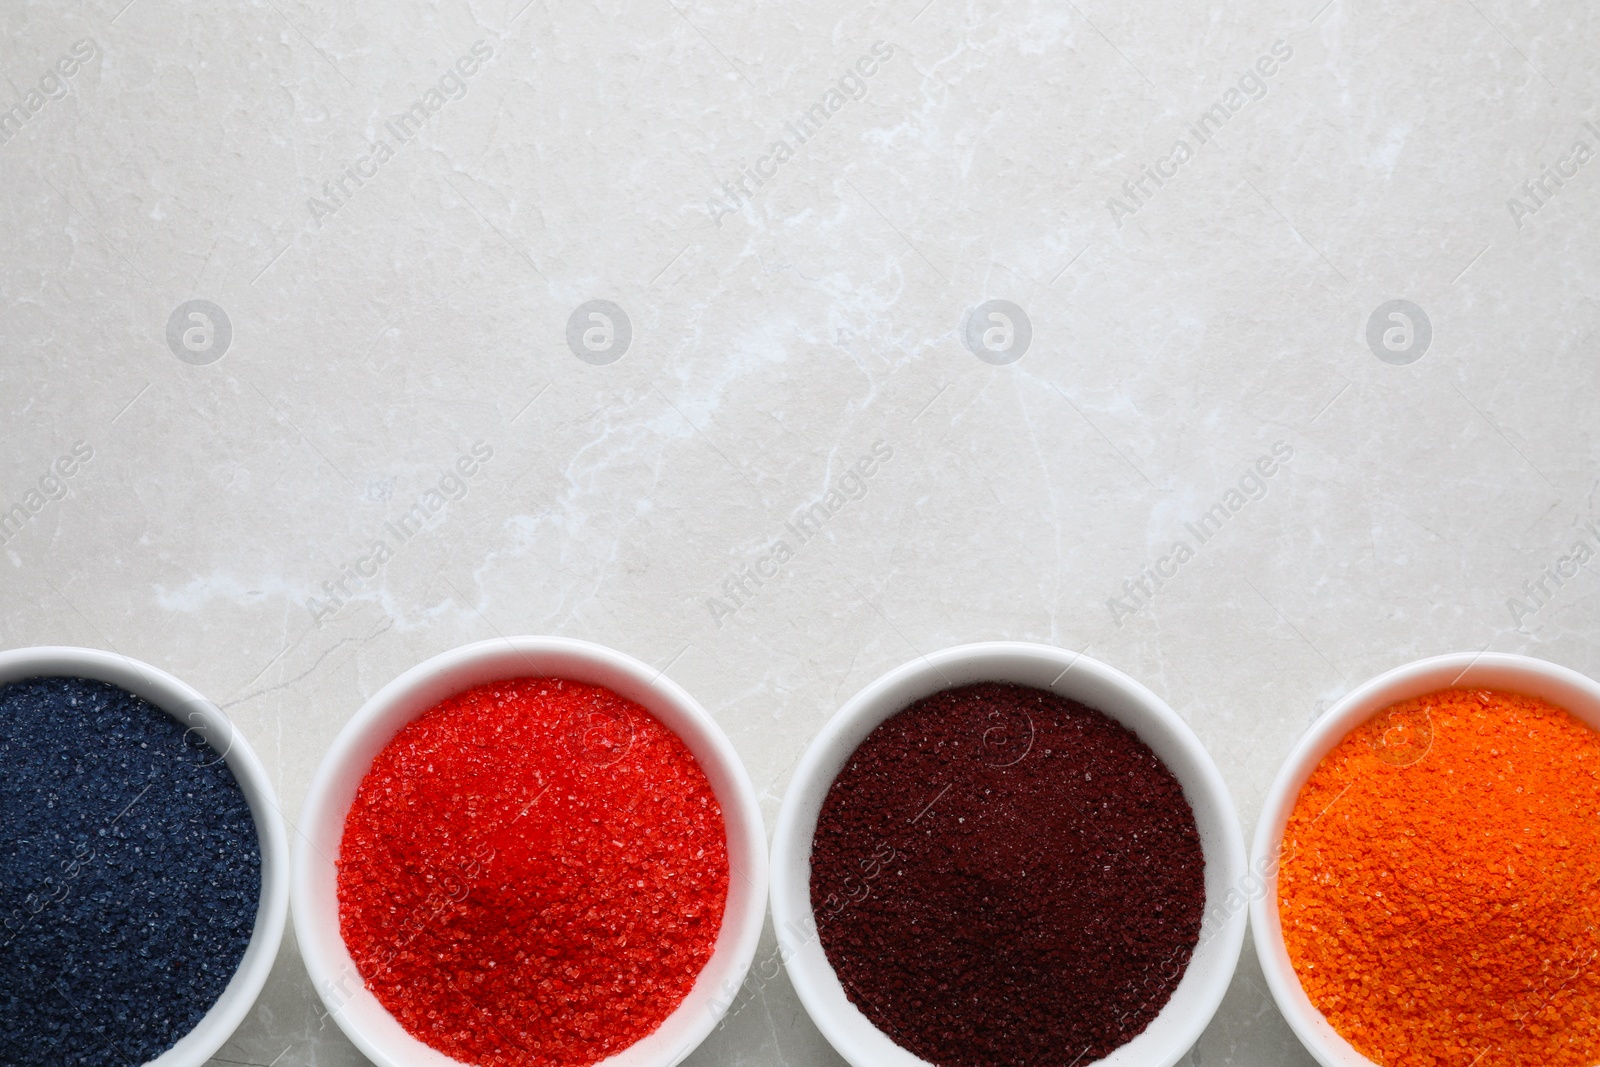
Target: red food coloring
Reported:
[(1001, 876), (533, 873)]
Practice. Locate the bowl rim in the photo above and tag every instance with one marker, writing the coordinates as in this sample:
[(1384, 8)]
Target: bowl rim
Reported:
[(741, 931), (1469, 670), (170, 694), (816, 983)]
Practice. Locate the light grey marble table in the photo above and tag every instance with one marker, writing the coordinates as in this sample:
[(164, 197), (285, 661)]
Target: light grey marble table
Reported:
[(395, 219)]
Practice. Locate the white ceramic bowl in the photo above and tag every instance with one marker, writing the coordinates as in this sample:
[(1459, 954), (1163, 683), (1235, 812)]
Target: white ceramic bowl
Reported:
[(1466, 670), (207, 722), (1075, 677), (316, 912)]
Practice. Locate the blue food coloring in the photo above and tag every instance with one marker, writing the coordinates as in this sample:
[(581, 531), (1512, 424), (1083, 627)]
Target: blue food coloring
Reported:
[(130, 873)]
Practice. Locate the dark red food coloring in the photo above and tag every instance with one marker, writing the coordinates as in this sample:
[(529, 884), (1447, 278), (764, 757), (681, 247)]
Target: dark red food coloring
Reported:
[(1004, 876), (533, 873)]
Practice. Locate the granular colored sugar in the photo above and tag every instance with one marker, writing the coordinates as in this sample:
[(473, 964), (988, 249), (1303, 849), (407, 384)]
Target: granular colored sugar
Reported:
[(533, 873), (1003, 876), (130, 874), (1440, 881)]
